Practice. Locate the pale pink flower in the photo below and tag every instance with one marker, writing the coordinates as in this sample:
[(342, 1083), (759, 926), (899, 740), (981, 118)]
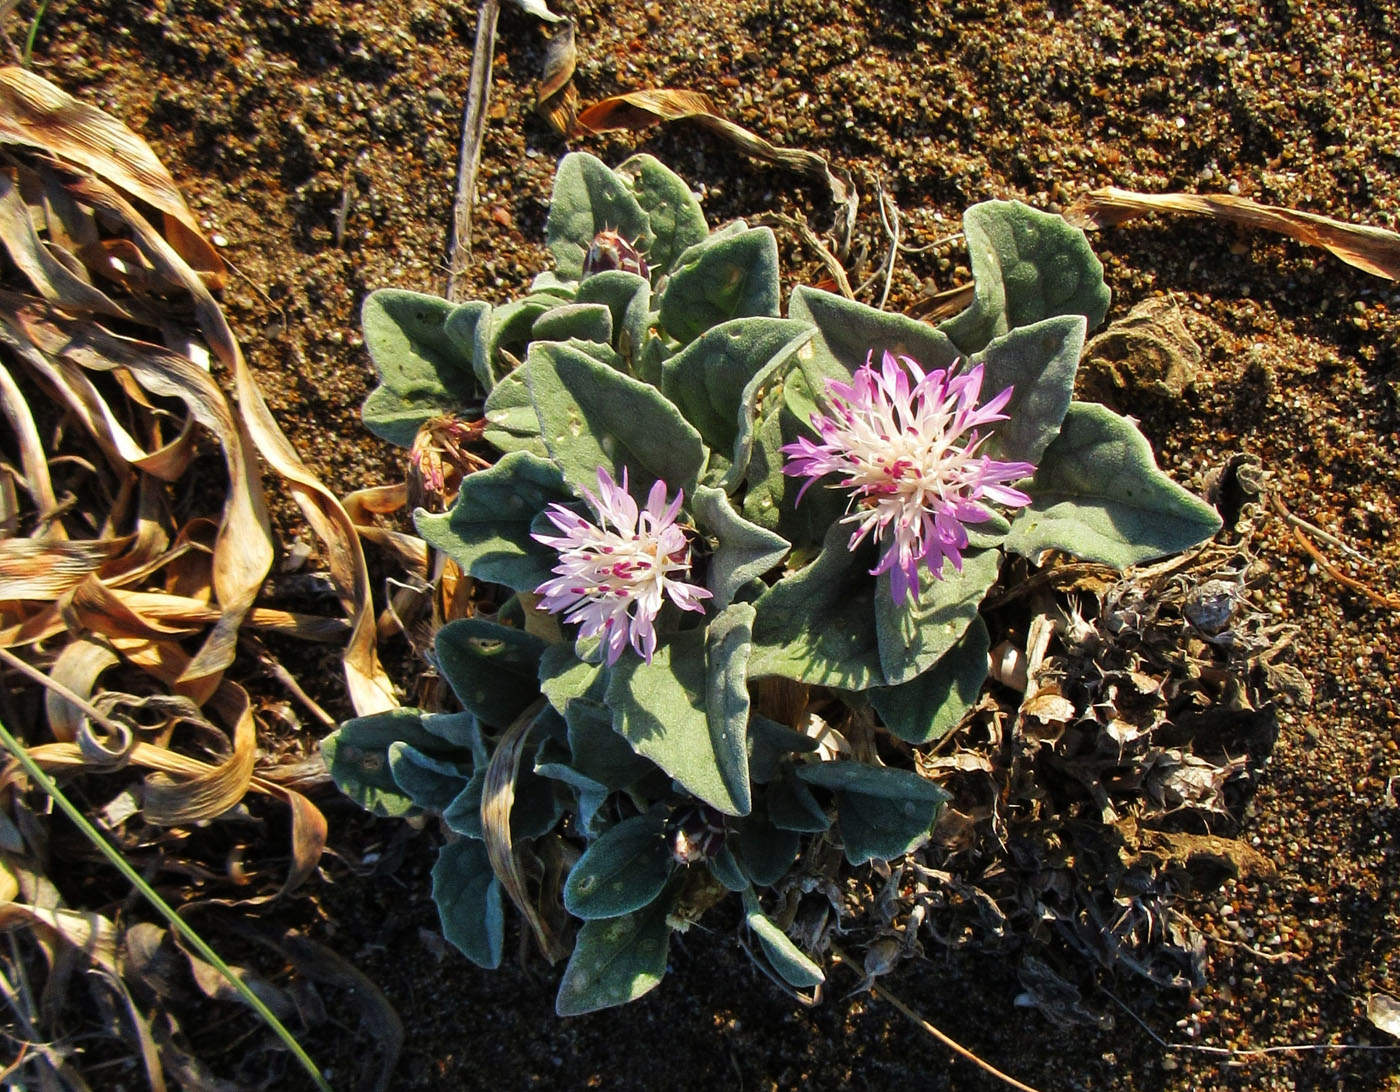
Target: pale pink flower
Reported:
[(908, 455), (612, 575)]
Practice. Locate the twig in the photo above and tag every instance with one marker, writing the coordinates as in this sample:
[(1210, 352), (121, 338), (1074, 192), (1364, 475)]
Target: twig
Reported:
[(106, 723), (1234, 1052), (1317, 532), (473, 128), (810, 237), (892, 226), (1267, 957), (1390, 601), (956, 1047), (285, 677)]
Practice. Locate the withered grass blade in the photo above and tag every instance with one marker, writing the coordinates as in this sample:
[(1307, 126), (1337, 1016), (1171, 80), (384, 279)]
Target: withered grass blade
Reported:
[(35, 112), (643, 109), (1373, 249)]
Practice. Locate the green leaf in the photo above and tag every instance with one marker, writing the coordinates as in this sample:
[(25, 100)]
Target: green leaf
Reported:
[(792, 806), (432, 782), (1027, 266), (506, 327), (617, 960), (790, 961), (511, 421), (818, 625), (589, 198), (593, 416), (622, 871), (1099, 495), (357, 756), (884, 813), (688, 709), (914, 636), (589, 795), (628, 299), (599, 752), (727, 277), (706, 380), (743, 550), (850, 333), (468, 898), (788, 403), (928, 707), (493, 669), (673, 213), (487, 531), (535, 811), (563, 676), (766, 853), (770, 743), (423, 370), (725, 868), (1039, 361), (582, 321)]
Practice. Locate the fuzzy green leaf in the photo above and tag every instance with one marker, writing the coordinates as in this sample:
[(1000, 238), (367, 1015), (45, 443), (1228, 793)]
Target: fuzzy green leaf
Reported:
[(849, 333), (1039, 362), (617, 960), (914, 636), (928, 707), (688, 709), (487, 531), (770, 743), (883, 812), (506, 328), (765, 852), (563, 677), (357, 756), (432, 782), (468, 898), (628, 299), (790, 961), (511, 421), (622, 871), (589, 198), (818, 625), (706, 380), (579, 321), (493, 669), (743, 550), (593, 416), (599, 752), (1099, 495), (1027, 266), (726, 277), (792, 806), (673, 213)]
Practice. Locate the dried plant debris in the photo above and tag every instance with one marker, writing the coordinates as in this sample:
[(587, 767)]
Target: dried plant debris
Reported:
[(1088, 807)]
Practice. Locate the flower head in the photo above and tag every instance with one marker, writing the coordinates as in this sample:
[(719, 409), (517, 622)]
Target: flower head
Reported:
[(907, 452), (612, 575)]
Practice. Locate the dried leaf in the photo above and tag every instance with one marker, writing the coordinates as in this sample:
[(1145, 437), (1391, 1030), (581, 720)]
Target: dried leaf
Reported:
[(643, 109), (1372, 249), (1384, 1012), (34, 112)]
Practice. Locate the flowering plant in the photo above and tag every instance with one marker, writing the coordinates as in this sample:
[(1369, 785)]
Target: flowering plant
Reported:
[(700, 663)]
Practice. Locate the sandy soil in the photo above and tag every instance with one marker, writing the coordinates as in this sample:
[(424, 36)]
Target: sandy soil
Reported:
[(319, 138)]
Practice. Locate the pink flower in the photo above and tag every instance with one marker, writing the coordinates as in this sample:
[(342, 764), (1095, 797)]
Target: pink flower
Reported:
[(908, 455), (612, 575)]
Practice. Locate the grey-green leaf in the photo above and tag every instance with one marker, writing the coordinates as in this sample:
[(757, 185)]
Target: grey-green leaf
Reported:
[(468, 898), (594, 416), (766, 852), (818, 625), (432, 782), (617, 960), (729, 277), (673, 213), (423, 369), (883, 812), (1027, 266), (511, 421), (687, 710), (1039, 362), (928, 707), (914, 636), (707, 378), (743, 550), (849, 333), (357, 755), (790, 961), (621, 871), (487, 531), (589, 198), (493, 669), (1099, 495)]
